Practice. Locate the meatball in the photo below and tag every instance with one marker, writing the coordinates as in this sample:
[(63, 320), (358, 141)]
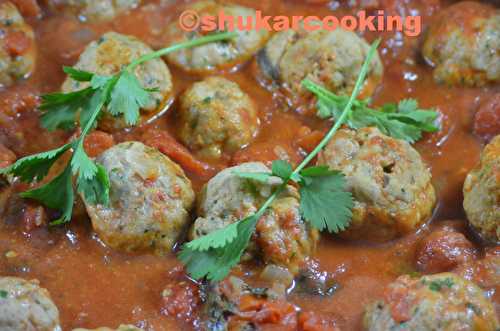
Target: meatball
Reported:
[(482, 193), (25, 306), (217, 55), (330, 58), (443, 250), (282, 237), (150, 199), (441, 302), (109, 55), (390, 183), (17, 45), (463, 45), (122, 327), (216, 116), (95, 10)]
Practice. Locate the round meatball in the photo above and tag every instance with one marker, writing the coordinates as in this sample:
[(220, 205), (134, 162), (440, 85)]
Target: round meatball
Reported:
[(482, 193), (330, 58), (122, 327), (443, 250), (216, 116), (25, 306), (390, 183), (463, 45), (282, 237), (441, 302), (107, 56), (17, 45), (150, 199), (217, 55), (95, 10)]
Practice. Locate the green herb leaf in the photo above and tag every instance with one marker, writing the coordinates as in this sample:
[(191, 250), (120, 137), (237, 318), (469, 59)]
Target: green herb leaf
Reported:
[(4, 294), (128, 97), (402, 121), (35, 167), (204, 260), (78, 75), (60, 110), (282, 169), (261, 177), (57, 194), (324, 201)]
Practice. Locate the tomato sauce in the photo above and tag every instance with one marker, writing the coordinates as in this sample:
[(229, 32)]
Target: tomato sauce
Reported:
[(93, 285)]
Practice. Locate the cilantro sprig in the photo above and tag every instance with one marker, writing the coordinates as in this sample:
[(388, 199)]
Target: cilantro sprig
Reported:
[(404, 120), (324, 203), (120, 94)]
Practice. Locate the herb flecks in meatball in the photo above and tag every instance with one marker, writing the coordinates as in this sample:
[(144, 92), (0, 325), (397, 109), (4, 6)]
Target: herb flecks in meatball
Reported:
[(216, 55), (216, 116), (282, 237), (95, 10), (17, 46), (463, 44), (332, 59), (24, 305), (150, 200), (107, 56), (390, 183), (441, 302), (482, 194)]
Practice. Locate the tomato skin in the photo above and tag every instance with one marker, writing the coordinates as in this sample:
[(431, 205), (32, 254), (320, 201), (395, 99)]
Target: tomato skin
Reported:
[(487, 119)]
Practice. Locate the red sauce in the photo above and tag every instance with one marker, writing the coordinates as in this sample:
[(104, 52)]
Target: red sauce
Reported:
[(94, 286)]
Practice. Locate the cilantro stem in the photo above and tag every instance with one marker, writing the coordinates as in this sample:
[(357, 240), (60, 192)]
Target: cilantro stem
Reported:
[(188, 44), (345, 112), (331, 132)]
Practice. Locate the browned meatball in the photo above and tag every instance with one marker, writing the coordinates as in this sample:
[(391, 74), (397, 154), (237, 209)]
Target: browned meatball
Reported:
[(216, 55), (216, 116), (391, 185), (443, 249), (463, 44), (282, 237), (150, 199), (330, 58)]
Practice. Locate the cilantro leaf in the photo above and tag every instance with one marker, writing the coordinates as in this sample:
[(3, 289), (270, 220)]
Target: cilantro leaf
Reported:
[(402, 121), (128, 97), (323, 199), (95, 189), (282, 169), (78, 75), (262, 177), (35, 167), (60, 110), (57, 194), (204, 260)]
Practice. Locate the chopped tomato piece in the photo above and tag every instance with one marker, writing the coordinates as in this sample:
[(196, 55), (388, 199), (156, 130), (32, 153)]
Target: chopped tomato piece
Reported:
[(167, 144), (487, 119), (97, 142)]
